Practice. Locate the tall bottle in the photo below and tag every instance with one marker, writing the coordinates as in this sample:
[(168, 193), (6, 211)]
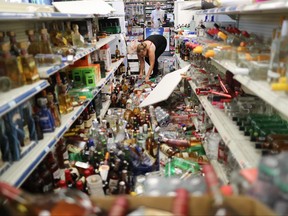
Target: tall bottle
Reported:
[(65, 103), (14, 49), (10, 68), (44, 45), (117, 53), (54, 109), (28, 63), (68, 33), (33, 48), (273, 75), (47, 122)]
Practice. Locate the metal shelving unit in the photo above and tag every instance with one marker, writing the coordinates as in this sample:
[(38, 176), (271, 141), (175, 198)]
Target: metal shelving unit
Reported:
[(261, 88), (278, 6), (14, 97), (15, 173), (240, 146), (45, 72)]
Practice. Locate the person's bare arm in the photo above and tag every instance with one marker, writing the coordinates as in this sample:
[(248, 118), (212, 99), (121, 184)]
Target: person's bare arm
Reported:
[(141, 66), (151, 62)]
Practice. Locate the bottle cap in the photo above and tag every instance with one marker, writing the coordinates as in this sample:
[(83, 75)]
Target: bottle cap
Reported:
[(2, 34), (43, 31), (5, 47), (284, 30), (23, 45), (42, 101), (11, 33)]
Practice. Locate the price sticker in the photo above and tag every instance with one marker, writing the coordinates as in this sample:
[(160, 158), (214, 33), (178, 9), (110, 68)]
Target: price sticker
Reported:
[(12, 104), (47, 149), (38, 88)]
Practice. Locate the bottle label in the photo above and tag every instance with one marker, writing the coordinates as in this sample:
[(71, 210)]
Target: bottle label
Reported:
[(155, 151), (48, 187), (82, 126), (26, 135), (65, 155), (57, 174), (113, 183), (88, 123), (93, 116)]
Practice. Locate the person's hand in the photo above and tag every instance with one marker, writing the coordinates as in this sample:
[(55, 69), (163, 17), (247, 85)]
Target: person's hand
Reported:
[(147, 79), (140, 76)]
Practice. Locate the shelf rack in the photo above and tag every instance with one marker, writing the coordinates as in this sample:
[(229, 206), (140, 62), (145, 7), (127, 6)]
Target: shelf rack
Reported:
[(15, 173), (13, 98), (240, 146), (6, 16), (278, 6), (45, 72), (261, 88)]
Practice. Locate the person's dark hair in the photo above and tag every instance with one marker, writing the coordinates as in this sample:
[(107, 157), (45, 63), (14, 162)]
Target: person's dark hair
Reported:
[(141, 47)]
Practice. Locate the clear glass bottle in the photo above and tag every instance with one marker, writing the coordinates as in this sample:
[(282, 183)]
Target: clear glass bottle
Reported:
[(77, 38), (28, 63), (44, 45), (10, 69), (65, 102), (54, 109), (33, 48)]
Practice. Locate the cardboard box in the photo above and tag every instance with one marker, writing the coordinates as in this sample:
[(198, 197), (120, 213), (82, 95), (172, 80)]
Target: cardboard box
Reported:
[(105, 55), (241, 205), (85, 61)]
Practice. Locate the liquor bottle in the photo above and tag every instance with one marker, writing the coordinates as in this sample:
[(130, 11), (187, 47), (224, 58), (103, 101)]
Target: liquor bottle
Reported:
[(68, 33), (56, 36), (275, 147), (10, 68), (28, 123), (54, 109), (68, 178), (167, 150), (92, 112), (65, 103), (77, 38), (2, 36), (33, 48), (117, 53), (38, 129), (47, 178), (66, 201), (61, 153), (52, 165), (122, 187), (87, 119), (47, 122), (178, 142), (113, 179), (28, 63), (44, 45), (14, 49)]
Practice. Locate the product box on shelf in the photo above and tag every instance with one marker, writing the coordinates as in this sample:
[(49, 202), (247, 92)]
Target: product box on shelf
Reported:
[(202, 205), (86, 75), (105, 55), (85, 61)]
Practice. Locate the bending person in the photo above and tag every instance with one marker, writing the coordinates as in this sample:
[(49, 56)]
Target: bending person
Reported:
[(150, 50)]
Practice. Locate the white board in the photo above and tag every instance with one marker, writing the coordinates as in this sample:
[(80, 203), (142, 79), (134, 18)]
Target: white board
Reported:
[(98, 7), (165, 87)]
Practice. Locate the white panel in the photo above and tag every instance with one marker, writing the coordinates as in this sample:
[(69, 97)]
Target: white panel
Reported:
[(165, 87), (261, 25)]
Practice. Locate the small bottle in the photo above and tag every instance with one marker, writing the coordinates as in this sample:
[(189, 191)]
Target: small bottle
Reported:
[(68, 178), (44, 45), (68, 33), (61, 153), (65, 103), (46, 119), (33, 48), (113, 178), (92, 112), (122, 187), (38, 129), (80, 122), (52, 165), (10, 68), (77, 38), (14, 49), (54, 109), (117, 53), (47, 178), (28, 63), (87, 119)]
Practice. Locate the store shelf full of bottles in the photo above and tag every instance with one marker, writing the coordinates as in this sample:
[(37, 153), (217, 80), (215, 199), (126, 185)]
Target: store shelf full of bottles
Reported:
[(53, 73)]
